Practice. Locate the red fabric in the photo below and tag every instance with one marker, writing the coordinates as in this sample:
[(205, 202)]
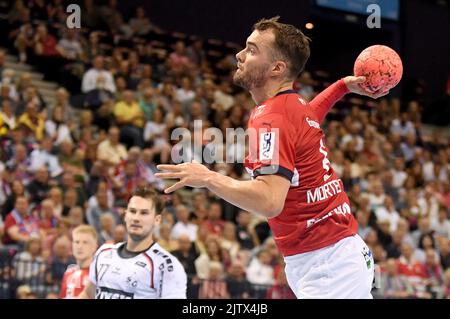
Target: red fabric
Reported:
[(325, 100), (74, 282), (317, 212), (415, 269), (215, 227), (29, 226), (49, 46)]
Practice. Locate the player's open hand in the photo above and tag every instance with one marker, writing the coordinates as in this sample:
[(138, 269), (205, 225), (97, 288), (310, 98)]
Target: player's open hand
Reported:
[(353, 84), (189, 174)]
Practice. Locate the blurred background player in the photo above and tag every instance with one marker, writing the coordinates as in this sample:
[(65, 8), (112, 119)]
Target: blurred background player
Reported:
[(84, 245), (139, 268)]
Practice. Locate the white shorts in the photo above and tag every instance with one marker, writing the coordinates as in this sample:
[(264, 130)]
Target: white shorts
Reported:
[(342, 270)]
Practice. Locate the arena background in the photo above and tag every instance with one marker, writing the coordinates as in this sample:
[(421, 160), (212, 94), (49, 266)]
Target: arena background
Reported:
[(393, 154)]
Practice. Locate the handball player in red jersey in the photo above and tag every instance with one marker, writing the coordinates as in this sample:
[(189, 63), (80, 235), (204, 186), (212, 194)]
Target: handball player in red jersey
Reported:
[(293, 184), (76, 277)]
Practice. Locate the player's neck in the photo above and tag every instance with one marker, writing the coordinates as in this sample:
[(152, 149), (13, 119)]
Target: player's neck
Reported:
[(269, 90), (84, 263), (140, 245)]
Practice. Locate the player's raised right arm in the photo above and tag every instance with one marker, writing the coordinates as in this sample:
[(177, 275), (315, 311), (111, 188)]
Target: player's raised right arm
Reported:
[(325, 100)]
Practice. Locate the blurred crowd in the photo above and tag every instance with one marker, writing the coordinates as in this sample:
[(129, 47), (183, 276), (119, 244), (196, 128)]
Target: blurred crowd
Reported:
[(76, 161)]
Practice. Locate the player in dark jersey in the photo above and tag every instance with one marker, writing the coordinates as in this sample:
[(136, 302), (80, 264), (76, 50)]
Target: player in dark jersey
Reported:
[(293, 184)]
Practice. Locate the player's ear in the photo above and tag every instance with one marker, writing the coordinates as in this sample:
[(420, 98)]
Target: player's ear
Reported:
[(158, 219), (279, 68)]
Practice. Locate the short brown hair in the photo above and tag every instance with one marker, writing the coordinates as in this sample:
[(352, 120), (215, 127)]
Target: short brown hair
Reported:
[(85, 229), (151, 194), (291, 45)]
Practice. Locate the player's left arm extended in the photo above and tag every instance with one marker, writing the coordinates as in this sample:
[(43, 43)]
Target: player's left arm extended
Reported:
[(264, 195), (325, 100)]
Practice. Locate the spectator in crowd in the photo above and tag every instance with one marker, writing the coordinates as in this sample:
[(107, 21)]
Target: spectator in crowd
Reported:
[(69, 47), (107, 225), (229, 241), (38, 188), (140, 24), (55, 194), (260, 272), (155, 135), (388, 212), (44, 42), (393, 285), (33, 122), (98, 77), (100, 207), (43, 157), (29, 266), (434, 273), (183, 226), (20, 225), (186, 254), (165, 240), (119, 234), (110, 150), (237, 284), (214, 287), (213, 253), (214, 221), (130, 118), (60, 259), (441, 225), (363, 223)]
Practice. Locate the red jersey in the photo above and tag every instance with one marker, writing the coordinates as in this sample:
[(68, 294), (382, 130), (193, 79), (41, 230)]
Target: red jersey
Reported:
[(290, 143), (74, 281)]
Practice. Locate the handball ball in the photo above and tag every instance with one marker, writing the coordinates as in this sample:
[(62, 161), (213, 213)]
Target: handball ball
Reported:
[(381, 66)]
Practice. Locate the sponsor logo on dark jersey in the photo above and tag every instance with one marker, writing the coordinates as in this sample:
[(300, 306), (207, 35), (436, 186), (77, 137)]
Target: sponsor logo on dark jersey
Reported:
[(109, 293)]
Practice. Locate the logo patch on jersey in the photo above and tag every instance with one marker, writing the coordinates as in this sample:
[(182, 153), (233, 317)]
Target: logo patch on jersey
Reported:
[(109, 293), (140, 263), (367, 257), (116, 271), (312, 123), (266, 145), (131, 282)]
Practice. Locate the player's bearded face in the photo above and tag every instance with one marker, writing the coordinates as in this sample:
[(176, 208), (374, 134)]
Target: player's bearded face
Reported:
[(255, 61), (253, 74)]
